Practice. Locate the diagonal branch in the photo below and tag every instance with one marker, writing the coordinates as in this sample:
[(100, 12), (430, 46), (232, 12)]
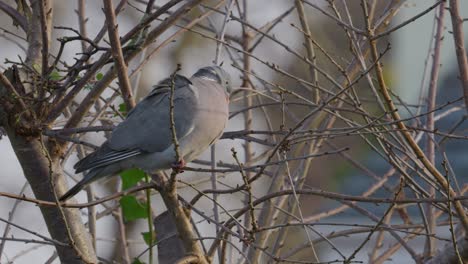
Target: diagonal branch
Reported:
[(308, 44), (117, 54), (12, 91), (15, 15)]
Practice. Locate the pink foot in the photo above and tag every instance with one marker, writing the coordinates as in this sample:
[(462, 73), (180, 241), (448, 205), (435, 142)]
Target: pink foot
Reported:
[(179, 166)]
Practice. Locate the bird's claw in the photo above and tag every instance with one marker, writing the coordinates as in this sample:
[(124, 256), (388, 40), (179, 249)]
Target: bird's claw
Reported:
[(179, 166)]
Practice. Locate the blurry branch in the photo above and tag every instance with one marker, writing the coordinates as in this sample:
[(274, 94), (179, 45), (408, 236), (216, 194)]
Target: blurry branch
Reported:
[(404, 228), (11, 215), (243, 12), (11, 90), (5, 35), (170, 39), (62, 97), (45, 19), (151, 17), (117, 54), (55, 242), (222, 32), (339, 197), (337, 20), (314, 192), (28, 241), (412, 19), (402, 242), (270, 26), (218, 56), (287, 48), (459, 40), (430, 125), (248, 189), (308, 44), (187, 20), (381, 222), (15, 16), (450, 216), (82, 22)]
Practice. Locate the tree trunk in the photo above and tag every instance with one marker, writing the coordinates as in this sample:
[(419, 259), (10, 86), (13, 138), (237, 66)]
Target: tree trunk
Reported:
[(43, 175)]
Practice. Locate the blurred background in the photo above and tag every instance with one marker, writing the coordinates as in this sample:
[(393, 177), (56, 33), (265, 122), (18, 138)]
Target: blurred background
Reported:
[(404, 63)]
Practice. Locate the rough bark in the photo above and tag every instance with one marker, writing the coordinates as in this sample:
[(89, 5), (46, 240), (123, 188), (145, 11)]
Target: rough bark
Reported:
[(42, 174)]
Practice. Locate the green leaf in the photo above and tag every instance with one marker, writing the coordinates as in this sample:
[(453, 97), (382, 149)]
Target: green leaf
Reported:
[(131, 177), (55, 76), (99, 76), (137, 261), (146, 238), (123, 108), (132, 209)]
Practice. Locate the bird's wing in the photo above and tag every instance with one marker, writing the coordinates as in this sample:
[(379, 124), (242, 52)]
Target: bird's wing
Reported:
[(103, 157), (147, 127)]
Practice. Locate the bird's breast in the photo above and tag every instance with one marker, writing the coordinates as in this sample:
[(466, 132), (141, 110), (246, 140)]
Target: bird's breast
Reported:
[(211, 116)]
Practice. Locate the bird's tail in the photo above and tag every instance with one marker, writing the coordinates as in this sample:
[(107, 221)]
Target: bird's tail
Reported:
[(91, 176)]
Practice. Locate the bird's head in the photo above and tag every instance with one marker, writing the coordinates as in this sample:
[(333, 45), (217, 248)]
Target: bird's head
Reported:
[(217, 74)]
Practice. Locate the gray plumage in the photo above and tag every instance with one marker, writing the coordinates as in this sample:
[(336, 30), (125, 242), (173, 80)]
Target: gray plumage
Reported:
[(144, 139)]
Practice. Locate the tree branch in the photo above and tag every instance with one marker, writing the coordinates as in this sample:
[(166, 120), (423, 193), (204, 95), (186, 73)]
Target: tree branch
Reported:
[(459, 40), (117, 54), (15, 15)]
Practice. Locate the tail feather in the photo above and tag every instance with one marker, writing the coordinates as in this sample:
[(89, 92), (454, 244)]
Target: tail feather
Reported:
[(103, 157), (84, 164), (91, 176)]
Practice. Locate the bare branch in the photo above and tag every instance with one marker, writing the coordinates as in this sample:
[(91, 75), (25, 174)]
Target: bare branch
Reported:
[(15, 15), (117, 54), (459, 39), (430, 146)]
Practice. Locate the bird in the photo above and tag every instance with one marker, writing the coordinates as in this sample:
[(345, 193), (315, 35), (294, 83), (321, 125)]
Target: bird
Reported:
[(144, 139)]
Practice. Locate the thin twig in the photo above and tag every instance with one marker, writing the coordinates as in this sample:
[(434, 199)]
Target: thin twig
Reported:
[(172, 126)]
